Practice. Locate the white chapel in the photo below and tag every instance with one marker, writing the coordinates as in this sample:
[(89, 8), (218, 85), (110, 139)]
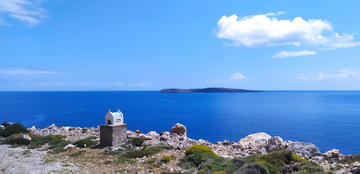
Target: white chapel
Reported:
[(114, 118)]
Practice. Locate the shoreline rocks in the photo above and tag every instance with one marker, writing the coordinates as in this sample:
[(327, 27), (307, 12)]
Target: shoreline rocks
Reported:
[(257, 143)]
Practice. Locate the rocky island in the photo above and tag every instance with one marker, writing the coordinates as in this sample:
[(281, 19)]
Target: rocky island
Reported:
[(60, 149), (204, 90)]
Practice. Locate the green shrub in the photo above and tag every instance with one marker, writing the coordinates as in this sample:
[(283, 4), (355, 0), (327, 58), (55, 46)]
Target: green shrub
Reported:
[(137, 141), (199, 148), (298, 158), (150, 161), (38, 141), (123, 159), (83, 130), (13, 129), (17, 139), (86, 142), (254, 168), (57, 145), (146, 151), (218, 172), (273, 169), (196, 154), (76, 154), (165, 159)]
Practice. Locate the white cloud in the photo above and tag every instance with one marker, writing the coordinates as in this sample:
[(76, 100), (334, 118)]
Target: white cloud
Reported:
[(27, 11), (267, 30), (283, 54), (24, 72), (342, 74), (237, 76), (141, 84)]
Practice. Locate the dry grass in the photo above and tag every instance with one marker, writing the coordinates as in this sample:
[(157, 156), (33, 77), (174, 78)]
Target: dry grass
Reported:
[(95, 161)]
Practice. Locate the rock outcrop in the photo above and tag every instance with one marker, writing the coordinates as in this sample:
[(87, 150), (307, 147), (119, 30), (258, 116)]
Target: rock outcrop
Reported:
[(306, 150), (179, 129), (258, 143)]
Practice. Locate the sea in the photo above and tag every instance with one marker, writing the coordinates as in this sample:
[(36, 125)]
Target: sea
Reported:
[(328, 119)]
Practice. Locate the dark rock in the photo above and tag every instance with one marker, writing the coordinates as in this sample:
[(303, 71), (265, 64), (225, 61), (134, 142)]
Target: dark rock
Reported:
[(5, 123), (179, 129), (275, 144), (138, 131)]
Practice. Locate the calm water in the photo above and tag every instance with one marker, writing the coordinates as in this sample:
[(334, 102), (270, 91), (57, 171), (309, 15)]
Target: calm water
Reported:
[(327, 119)]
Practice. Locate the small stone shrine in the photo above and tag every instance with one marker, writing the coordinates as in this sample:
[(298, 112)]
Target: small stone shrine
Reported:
[(113, 132)]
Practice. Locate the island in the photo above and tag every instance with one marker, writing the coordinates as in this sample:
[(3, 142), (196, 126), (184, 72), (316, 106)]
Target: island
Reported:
[(205, 90)]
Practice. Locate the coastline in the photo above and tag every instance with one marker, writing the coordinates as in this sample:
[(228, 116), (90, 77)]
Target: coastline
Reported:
[(253, 144)]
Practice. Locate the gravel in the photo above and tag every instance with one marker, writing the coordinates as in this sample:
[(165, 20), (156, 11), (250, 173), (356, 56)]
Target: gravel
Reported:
[(22, 160)]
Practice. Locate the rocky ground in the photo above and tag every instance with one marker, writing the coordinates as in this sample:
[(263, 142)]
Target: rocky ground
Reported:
[(96, 161), (22, 160)]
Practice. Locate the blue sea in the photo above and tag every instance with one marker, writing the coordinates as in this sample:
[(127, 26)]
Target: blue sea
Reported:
[(329, 119)]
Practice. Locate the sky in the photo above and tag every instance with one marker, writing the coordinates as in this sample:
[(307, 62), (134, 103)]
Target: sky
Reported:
[(150, 45)]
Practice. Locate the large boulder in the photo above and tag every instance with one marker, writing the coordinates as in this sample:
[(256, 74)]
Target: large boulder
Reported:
[(306, 150), (255, 139), (179, 129), (334, 153), (275, 144)]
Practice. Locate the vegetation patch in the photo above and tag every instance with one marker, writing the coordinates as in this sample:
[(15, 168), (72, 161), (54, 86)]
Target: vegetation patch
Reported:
[(76, 154), (165, 159), (123, 159), (86, 142), (137, 141), (17, 139), (205, 160), (13, 129)]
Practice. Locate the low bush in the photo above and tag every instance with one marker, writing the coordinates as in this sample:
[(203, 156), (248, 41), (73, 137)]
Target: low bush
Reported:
[(86, 142), (146, 151), (137, 141), (196, 154), (218, 172), (57, 144), (123, 159), (199, 148), (13, 129), (165, 159), (17, 139), (298, 158), (76, 154), (207, 162), (83, 130)]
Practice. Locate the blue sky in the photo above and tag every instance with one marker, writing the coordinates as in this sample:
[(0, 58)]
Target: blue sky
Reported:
[(148, 45)]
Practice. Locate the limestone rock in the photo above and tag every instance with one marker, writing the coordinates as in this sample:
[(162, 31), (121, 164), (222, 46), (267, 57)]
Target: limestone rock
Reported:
[(153, 134), (26, 137), (306, 150), (69, 146), (52, 126), (2, 127), (179, 129), (32, 129), (257, 139), (334, 153)]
